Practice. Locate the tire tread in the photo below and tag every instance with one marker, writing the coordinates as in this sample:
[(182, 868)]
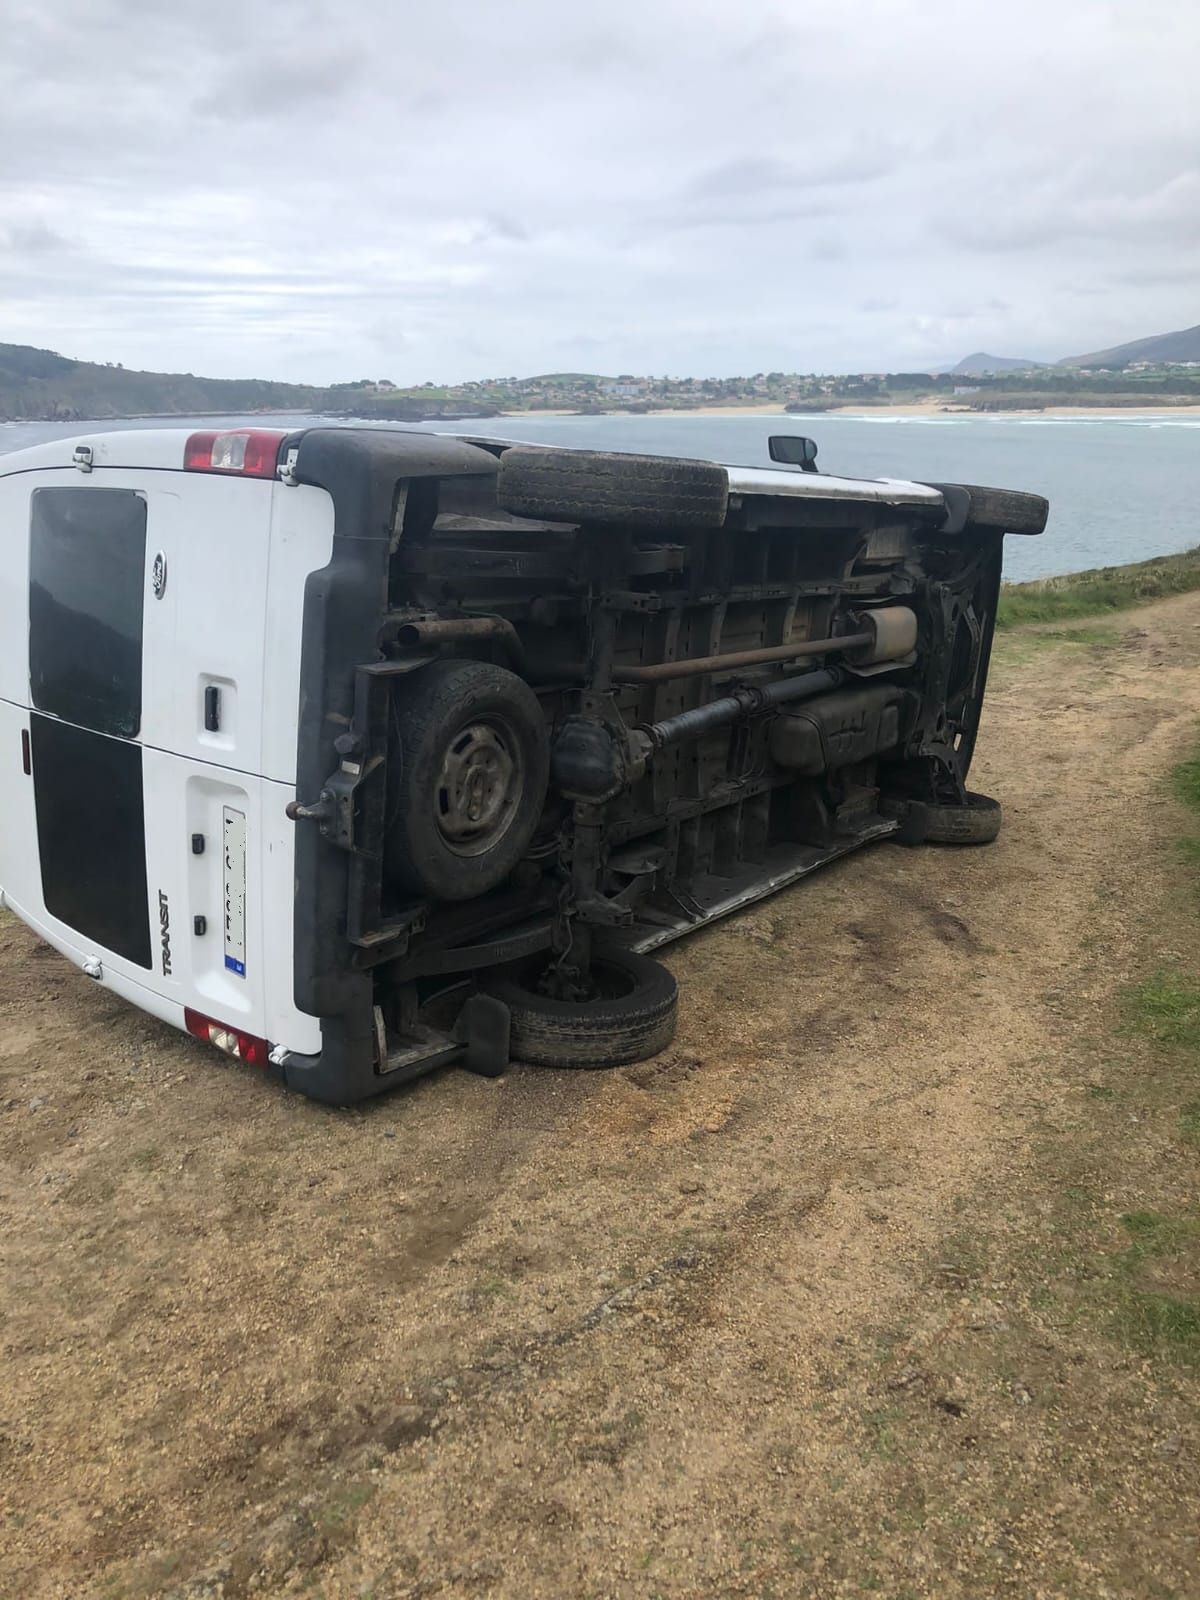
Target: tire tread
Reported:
[(608, 487), (607, 1033), (1011, 509)]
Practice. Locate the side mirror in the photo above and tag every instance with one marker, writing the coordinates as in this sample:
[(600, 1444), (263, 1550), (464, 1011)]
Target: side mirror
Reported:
[(794, 450)]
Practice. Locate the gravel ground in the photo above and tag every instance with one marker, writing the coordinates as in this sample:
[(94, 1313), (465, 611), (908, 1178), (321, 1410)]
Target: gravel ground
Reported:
[(800, 1307)]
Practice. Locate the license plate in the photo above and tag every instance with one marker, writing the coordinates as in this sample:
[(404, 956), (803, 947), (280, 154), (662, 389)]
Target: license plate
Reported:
[(234, 849)]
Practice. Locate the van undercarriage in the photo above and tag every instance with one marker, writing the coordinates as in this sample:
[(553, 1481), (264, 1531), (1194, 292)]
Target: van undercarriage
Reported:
[(559, 708)]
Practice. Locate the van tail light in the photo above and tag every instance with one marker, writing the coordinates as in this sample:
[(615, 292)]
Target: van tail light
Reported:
[(245, 1046), (247, 452)]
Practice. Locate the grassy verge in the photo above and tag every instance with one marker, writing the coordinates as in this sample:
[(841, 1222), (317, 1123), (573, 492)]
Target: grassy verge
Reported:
[(1088, 594), (1154, 1283), (1065, 1347)]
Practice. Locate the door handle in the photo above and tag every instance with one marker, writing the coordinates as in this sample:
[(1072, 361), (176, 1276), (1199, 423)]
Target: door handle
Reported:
[(212, 709)]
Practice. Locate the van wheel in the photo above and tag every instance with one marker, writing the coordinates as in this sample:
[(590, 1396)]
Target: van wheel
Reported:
[(600, 486), (976, 822), (469, 766), (632, 1016)]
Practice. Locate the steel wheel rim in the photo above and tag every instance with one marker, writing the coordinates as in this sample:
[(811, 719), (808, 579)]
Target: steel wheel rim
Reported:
[(479, 786)]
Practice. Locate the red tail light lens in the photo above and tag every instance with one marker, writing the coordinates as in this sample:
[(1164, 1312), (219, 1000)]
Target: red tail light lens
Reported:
[(247, 1047), (248, 452)]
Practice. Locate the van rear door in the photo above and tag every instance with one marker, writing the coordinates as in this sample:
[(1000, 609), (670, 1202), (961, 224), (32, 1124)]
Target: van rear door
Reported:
[(87, 559), (148, 839)]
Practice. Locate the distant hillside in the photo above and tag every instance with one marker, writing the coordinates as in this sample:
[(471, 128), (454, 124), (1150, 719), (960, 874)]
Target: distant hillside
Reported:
[(1162, 348), (980, 364), (567, 378), (39, 383)]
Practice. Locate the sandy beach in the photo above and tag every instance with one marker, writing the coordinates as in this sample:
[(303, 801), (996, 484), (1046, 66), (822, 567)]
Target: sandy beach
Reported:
[(936, 408), (920, 408)]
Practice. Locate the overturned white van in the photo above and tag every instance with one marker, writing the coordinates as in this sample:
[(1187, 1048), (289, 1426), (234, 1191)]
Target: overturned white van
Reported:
[(358, 751)]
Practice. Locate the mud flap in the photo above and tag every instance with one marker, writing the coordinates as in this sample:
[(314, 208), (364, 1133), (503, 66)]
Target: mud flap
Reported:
[(484, 1026)]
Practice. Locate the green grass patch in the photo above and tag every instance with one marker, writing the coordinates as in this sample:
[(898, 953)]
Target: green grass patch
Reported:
[(1150, 1319), (1022, 645), (1089, 634), (1161, 1324), (1091, 593), (1154, 1234), (339, 1511), (1167, 1009), (1185, 780)]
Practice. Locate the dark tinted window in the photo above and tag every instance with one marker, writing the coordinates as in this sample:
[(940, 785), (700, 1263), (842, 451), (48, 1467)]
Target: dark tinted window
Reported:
[(87, 563), (87, 792)]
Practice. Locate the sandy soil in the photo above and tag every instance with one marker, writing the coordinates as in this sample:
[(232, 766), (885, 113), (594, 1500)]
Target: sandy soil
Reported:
[(779, 1313)]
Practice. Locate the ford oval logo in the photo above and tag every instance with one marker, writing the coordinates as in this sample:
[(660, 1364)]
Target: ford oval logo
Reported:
[(158, 576)]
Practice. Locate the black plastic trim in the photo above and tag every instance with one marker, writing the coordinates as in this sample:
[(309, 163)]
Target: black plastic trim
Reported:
[(344, 602)]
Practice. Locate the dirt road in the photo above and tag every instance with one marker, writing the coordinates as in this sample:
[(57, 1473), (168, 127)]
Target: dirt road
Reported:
[(817, 1303)]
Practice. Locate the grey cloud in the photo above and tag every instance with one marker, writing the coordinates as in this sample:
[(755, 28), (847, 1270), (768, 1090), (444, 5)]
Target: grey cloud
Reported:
[(744, 211), (506, 228), (1185, 270), (1169, 217), (283, 84), (659, 185), (34, 239), (764, 174), (827, 249)]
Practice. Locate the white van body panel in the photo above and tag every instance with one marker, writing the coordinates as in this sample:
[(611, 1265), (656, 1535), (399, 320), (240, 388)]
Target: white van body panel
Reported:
[(185, 798), (217, 556), (14, 586), (90, 960), (192, 799), (792, 482), (130, 447), (795, 484), (226, 562)]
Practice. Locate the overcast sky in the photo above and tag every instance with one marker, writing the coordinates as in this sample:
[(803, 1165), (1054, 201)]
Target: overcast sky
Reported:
[(456, 189)]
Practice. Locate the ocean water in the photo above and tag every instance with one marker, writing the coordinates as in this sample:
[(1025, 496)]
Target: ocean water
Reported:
[(1121, 487)]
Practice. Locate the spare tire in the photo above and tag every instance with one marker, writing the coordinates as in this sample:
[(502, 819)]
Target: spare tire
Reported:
[(1008, 509), (632, 1017), (467, 778), (607, 487)]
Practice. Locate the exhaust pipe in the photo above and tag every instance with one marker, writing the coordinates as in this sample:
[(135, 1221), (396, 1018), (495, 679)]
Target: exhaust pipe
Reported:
[(888, 633)]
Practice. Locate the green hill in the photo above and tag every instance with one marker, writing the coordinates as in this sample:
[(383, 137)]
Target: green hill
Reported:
[(1160, 350), (567, 378), (41, 384), (980, 364)]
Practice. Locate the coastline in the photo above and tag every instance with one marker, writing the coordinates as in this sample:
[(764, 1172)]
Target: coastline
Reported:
[(915, 409), (935, 408)]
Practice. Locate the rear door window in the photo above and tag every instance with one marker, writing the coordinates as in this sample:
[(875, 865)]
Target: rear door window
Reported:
[(87, 563), (92, 835)]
